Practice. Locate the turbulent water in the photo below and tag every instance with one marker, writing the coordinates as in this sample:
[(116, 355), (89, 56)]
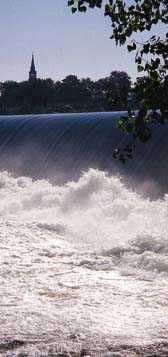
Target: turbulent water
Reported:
[(85, 262)]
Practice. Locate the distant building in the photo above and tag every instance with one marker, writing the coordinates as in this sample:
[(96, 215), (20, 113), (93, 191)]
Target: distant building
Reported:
[(32, 73)]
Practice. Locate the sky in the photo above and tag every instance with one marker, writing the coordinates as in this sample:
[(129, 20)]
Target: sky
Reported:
[(62, 43)]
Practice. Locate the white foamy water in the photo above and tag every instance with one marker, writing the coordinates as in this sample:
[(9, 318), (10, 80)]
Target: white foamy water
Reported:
[(88, 259)]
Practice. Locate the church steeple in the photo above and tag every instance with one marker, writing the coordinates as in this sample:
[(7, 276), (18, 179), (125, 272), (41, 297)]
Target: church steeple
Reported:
[(32, 73)]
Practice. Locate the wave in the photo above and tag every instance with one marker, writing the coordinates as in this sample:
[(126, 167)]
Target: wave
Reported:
[(98, 215)]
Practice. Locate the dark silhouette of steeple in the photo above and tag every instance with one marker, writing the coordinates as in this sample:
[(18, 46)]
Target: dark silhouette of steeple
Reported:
[(32, 73)]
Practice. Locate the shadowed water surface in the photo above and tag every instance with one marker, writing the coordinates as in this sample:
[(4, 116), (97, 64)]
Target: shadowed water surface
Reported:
[(58, 147)]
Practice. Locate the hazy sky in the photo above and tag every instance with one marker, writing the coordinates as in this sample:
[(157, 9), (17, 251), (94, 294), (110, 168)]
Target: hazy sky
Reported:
[(62, 43)]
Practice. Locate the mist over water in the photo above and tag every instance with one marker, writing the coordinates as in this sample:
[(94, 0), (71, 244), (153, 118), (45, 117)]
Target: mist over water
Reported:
[(97, 214), (82, 251)]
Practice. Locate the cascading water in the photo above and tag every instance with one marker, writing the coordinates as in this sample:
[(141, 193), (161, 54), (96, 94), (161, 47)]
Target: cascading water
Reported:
[(60, 147), (83, 260)]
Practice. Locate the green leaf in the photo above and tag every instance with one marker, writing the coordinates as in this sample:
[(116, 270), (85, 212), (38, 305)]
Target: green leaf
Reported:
[(70, 2), (131, 47), (82, 8), (140, 68), (74, 9)]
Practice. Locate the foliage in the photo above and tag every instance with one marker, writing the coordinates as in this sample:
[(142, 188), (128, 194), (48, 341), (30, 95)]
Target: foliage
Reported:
[(151, 59), (69, 95)]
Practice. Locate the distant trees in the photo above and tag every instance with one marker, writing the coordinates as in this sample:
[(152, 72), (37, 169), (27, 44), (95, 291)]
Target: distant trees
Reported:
[(26, 97), (73, 94), (69, 95), (115, 89)]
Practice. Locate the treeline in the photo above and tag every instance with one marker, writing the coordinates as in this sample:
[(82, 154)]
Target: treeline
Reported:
[(69, 95)]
